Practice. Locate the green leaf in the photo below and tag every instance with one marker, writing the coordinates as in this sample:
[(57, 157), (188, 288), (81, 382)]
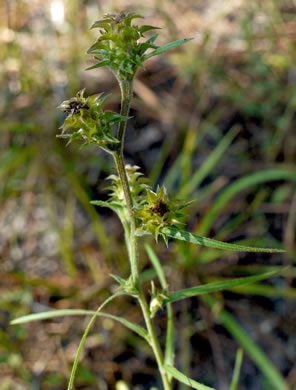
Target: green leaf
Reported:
[(157, 266), (209, 242), (270, 372), (130, 325), (98, 65), (48, 315), (184, 379), (165, 48), (113, 117), (169, 347), (75, 364), (216, 286), (209, 164), (237, 367), (239, 185), (146, 28), (100, 24), (101, 203), (153, 38)]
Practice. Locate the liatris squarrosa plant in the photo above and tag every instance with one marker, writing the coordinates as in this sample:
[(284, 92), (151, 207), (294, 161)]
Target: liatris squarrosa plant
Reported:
[(122, 47)]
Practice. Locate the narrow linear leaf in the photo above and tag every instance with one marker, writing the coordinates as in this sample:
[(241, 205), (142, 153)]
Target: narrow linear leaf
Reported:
[(157, 266), (217, 286), (73, 312), (240, 185), (169, 347), (267, 291), (51, 314), (102, 203), (268, 369), (237, 368), (146, 28), (75, 364), (98, 65), (209, 164), (185, 379), (130, 325), (209, 242), (165, 48)]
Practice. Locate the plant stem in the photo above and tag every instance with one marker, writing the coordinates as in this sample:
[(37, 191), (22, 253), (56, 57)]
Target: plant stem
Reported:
[(126, 87), (153, 339), (131, 239)]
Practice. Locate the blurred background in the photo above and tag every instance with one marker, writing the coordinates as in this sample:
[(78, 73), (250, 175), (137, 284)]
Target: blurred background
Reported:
[(215, 122)]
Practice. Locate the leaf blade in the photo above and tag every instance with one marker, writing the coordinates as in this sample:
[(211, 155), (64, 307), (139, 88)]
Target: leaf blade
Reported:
[(211, 243), (98, 65), (51, 314), (169, 346), (216, 286), (237, 368), (240, 185), (268, 369), (185, 379), (165, 48), (75, 364)]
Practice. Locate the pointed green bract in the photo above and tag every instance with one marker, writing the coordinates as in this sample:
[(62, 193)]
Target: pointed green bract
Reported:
[(98, 65)]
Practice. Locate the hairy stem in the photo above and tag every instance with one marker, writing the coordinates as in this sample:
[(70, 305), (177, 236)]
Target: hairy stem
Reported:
[(126, 95)]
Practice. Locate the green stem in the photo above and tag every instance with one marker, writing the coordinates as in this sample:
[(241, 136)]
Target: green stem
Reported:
[(131, 239), (126, 95)]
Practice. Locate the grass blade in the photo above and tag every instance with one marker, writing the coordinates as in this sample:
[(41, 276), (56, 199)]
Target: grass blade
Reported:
[(209, 242), (271, 373), (209, 164), (184, 378), (237, 368), (240, 185), (165, 48), (169, 347), (216, 286)]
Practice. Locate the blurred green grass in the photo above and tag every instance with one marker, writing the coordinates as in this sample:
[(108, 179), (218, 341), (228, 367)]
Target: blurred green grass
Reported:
[(215, 122)]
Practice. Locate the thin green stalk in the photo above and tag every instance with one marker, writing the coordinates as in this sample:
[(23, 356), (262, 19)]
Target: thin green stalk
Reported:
[(131, 239), (154, 340), (126, 95)]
